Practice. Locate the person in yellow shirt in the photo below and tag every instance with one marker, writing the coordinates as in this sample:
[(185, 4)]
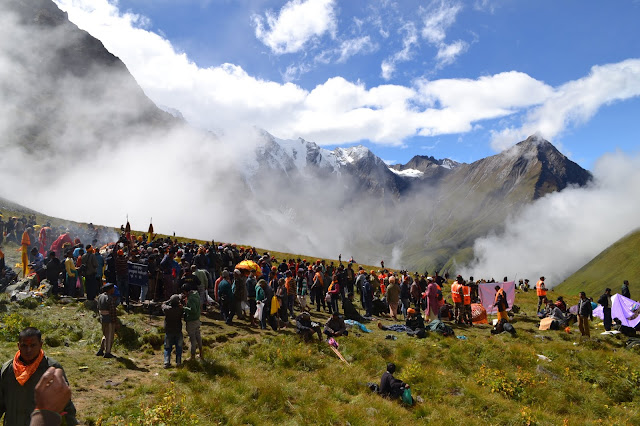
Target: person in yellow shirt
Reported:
[(71, 275)]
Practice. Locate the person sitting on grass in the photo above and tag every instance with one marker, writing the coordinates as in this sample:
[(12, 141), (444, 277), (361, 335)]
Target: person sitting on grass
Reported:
[(414, 325), (391, 387), (335, 326), (306, 328), (350, 311)]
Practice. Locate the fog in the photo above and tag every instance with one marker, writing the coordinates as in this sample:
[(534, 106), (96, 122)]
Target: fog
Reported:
[(561, 232), (82, 143)]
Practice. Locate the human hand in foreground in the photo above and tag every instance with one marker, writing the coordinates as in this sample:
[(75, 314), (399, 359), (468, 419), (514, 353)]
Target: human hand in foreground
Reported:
[(52, 391)]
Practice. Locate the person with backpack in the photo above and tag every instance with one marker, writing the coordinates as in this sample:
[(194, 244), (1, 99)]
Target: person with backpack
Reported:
[(390, 386), (500, 302)]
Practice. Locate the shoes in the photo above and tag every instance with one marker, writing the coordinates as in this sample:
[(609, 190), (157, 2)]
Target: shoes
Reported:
[(109, 356), (167, 366), (380, 326), (100, 353)]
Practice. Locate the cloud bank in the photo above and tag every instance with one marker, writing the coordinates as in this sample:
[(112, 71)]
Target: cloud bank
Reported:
[(339, 111), (561, 232)]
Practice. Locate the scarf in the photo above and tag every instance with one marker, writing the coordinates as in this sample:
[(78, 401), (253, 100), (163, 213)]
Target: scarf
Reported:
[(24, 372)]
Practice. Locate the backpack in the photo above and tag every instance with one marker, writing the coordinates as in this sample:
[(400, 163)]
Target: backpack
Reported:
[(440, 327)]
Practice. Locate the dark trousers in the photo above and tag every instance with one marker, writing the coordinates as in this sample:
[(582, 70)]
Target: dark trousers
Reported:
[(91, 285), (607, 318), (227, 311), (123, 286), (368, 306), (334, 302)]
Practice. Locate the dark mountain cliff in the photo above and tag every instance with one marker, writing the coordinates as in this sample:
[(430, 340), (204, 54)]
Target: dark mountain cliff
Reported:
[(61, 83)]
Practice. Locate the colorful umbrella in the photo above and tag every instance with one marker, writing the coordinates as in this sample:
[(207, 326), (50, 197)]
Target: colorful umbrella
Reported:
[(247, 265)]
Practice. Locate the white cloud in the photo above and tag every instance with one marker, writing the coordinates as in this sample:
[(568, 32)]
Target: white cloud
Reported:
[(440, 16), (340, 111), (448, 53), (352, 47), (409, 40), (562, 231), (576, 102), (438, 19), (297, 23)]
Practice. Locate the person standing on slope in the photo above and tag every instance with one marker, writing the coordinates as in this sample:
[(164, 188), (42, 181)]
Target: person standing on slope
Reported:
[(541, 291)]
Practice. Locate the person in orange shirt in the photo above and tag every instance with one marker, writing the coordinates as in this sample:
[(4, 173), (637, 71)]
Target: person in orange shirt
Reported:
[(24, 249), (466, 302), (541, 290), (289, 283), (501, 303), (456, 295)]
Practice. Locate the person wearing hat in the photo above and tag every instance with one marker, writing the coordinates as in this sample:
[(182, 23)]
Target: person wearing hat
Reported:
[(335, 326), (108, 318), (306, 328), (173, 312), (605, 301)]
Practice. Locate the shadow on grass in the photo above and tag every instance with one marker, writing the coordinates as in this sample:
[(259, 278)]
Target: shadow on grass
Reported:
[(130, 365), (210, 368)]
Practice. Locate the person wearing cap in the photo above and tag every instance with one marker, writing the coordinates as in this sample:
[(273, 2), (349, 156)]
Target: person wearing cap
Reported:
[(108, 318), (306, 328), (335, 326), (173, 312), (605, 301)]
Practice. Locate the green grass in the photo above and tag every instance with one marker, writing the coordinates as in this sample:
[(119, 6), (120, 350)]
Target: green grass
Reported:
[(610, 268), (251, 376)]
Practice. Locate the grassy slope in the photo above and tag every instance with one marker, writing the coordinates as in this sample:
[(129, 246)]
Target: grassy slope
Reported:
[(610, 268), (256, 377)]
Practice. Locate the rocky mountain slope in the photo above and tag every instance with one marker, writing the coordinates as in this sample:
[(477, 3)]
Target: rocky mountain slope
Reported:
[(61, 83), (64, 96)]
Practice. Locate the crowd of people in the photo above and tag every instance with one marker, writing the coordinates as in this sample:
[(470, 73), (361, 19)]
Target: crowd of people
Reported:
[(187, 279)]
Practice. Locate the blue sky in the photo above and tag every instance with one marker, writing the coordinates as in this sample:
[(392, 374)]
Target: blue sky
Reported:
[(444, 78)]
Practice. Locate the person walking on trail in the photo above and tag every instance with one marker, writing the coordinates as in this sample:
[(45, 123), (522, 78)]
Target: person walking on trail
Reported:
[(541, 291), (501, 303), (625, 289), (173, 313), (108, 318), (192, 319), (605, 301), (585, 313)]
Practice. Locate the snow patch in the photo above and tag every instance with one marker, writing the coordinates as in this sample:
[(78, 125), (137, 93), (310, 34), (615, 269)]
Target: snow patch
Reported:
[(410, 173)]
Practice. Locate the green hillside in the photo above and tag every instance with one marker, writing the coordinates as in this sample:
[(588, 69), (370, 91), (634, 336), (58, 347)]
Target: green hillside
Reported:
[(610, 268)]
